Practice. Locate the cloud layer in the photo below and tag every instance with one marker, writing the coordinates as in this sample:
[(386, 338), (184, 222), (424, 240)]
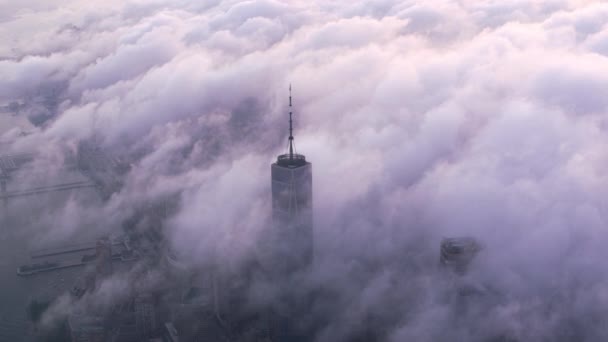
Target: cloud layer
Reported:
[(482, 118)]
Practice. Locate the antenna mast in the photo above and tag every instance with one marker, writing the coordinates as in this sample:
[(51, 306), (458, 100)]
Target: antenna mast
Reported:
[(290, 127)]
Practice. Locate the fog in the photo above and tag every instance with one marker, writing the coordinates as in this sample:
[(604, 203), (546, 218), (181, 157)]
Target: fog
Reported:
[(422, 120)]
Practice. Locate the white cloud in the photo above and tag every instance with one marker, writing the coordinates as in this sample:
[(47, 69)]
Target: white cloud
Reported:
[(464, 117)]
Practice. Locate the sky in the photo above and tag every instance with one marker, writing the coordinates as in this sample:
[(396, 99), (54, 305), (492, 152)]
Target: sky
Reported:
[(422, 120)]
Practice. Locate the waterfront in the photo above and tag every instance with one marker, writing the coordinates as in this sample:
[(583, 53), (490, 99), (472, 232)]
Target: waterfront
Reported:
[(16, 248)]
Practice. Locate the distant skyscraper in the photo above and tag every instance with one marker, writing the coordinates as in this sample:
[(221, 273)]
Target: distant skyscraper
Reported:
[(292, 205), (457, 253)]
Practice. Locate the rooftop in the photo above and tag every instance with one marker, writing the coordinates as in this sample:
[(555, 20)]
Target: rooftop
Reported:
[(457, 253), (292, 161)]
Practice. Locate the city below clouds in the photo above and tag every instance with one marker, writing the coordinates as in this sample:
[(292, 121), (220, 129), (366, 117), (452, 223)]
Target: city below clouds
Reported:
[(422, 120)]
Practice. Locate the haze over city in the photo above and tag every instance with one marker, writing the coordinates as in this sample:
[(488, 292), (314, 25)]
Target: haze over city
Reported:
[(445, 180)]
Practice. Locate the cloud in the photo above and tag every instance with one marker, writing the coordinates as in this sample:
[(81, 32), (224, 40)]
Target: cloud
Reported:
[(478, 118)]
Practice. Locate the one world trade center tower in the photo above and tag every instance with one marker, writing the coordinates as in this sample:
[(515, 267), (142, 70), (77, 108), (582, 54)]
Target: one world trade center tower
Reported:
[(292, 206)]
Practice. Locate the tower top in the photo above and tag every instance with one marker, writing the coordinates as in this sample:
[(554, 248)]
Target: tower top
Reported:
[(291, 159)]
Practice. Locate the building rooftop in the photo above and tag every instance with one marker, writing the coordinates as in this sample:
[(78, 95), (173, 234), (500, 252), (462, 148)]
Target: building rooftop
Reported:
[(457, 253), (291, 161)]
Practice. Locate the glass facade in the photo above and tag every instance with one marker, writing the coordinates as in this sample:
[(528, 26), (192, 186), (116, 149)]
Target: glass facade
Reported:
[(292, 213)]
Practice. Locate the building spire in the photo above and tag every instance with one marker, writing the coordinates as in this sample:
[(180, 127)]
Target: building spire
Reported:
[(290, 127), (291, 159)]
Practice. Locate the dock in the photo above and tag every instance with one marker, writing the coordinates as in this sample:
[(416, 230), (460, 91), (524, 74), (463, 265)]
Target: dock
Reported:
[(74, 248)]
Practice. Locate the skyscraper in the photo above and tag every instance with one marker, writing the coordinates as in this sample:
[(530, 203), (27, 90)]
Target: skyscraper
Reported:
[(292, 206)]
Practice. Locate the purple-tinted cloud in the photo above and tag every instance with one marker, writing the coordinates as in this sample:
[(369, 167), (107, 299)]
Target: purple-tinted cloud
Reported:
[(478, 118)]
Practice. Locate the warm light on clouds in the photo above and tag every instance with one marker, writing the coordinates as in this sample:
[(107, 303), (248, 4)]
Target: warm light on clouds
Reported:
[(421, 119)]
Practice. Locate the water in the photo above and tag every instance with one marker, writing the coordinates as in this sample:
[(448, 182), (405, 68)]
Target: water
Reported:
[(18, 238)]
